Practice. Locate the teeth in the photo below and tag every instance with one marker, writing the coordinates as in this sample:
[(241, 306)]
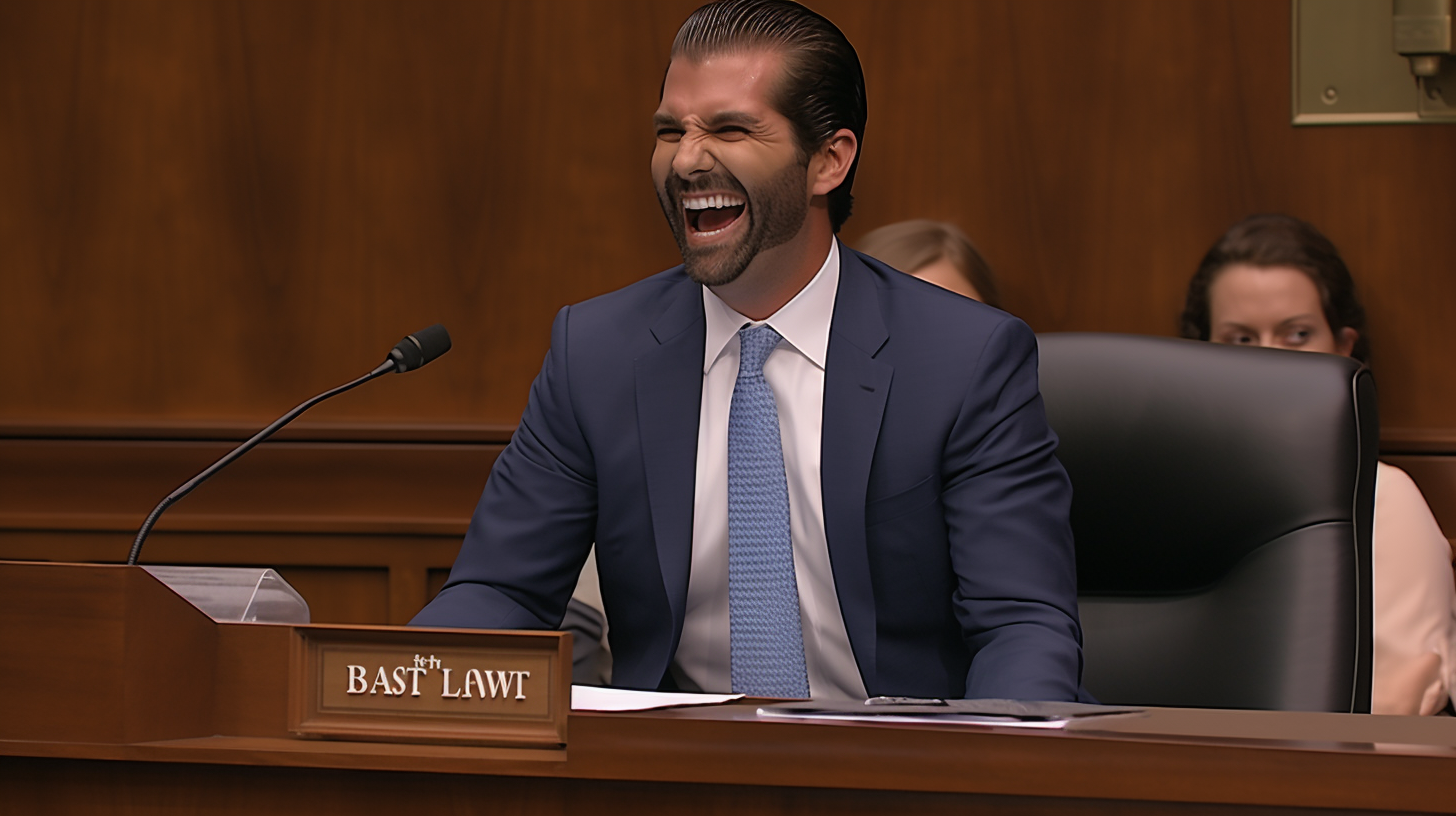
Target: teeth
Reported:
[(712, 202)]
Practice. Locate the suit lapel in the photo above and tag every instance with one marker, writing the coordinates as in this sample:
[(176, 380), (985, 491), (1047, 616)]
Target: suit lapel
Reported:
[(855, 388), (669, 381)]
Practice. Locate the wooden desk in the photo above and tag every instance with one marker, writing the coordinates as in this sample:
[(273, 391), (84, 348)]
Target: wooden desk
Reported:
[(723, 760), (112, 688)]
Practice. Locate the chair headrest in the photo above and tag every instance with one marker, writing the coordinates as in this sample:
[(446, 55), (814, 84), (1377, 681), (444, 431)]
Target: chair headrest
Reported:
[(1185, 456)]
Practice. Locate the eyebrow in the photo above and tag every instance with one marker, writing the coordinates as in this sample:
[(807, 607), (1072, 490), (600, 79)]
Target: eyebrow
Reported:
[(1230, 324), (716, 120), (732, 118)]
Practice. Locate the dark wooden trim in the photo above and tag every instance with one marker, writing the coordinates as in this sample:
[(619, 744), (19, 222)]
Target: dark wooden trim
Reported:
[(357, 487), (1395, 441), (301, 431), (1392, 440)]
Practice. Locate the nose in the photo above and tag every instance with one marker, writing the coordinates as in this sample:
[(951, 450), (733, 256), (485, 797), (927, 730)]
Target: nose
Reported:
[(691, 157)]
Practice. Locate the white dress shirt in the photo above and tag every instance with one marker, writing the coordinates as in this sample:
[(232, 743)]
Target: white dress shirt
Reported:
[(795, 372)]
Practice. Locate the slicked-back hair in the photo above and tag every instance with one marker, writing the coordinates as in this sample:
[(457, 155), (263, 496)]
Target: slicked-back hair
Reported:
[(822, 88), (1272, 240)]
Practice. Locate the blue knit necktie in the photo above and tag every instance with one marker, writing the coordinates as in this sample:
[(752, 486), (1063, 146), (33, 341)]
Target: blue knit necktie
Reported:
[(763, 596)]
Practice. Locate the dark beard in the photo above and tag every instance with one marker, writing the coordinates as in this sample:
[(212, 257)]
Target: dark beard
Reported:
[(775, 214)]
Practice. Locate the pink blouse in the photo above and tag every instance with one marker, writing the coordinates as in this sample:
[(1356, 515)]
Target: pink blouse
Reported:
[(1415, 601)]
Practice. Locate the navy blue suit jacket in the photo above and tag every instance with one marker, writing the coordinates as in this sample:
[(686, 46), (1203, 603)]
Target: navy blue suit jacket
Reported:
[(946, 511)]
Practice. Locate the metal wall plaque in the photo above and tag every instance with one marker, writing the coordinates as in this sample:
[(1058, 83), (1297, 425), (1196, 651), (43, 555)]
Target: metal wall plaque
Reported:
[(422, 685), (1345, 69)]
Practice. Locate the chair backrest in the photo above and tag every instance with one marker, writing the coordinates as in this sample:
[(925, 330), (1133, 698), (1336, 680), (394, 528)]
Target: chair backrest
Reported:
[(1222, 506)]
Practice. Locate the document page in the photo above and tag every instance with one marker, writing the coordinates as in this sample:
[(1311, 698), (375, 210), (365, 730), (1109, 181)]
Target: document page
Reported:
[(1013, 713), (595, 698)]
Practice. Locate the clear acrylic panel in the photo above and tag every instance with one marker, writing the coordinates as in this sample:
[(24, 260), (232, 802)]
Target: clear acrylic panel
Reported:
[(236, 594)]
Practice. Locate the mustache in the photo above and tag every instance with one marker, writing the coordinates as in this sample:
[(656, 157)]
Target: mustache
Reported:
[(677, 187)]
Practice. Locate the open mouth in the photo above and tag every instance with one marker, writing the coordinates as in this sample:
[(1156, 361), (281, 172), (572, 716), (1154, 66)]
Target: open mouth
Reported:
[(713, 214)]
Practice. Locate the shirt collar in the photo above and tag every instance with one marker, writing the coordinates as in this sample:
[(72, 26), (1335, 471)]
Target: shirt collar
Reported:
[(803, 322)]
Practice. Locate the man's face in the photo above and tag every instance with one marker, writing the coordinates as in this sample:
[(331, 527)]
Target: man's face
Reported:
[(730, 177)]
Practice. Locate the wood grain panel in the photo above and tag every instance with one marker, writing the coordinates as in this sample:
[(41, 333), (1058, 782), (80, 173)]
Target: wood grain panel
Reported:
[(345, 595), (203, 724), (132, 661), (1094, 150), (366, 531), (44, 787), (212, 208), (375, 579), (435, 581), (360, 487)]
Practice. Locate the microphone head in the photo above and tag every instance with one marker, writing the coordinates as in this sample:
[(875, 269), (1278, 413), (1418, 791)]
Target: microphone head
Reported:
[(420, 348)]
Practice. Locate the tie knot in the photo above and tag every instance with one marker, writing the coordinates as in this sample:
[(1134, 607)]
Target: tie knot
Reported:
[(755, 343)]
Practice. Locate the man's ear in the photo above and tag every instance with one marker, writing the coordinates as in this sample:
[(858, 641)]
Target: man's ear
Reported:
[(831, 162), (1345, 340)]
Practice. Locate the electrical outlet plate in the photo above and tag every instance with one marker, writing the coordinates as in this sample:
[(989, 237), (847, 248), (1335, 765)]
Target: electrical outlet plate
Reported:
[(1346, 70)]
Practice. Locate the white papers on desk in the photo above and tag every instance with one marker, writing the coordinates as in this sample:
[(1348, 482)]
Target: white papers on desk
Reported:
[(1000, 713), (594, 698), (963, 719)]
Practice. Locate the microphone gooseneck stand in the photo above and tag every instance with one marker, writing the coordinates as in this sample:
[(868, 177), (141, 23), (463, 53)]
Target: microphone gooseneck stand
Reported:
[(410, 353)]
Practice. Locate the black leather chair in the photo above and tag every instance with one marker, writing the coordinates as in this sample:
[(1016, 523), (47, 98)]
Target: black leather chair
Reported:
[(1222, 503)]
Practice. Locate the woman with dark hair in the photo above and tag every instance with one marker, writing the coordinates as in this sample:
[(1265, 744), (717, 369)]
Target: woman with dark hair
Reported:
[(1269, 254), (937, 252), (1275, 281)]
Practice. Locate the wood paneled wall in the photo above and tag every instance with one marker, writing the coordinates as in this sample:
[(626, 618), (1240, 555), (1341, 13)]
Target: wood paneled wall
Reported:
[(211, 209)]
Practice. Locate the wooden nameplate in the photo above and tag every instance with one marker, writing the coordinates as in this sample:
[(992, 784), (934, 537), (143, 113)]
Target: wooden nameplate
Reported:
[(430, 685)]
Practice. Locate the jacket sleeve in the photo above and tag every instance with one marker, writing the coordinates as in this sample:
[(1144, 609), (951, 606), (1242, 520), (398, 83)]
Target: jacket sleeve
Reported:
[(1008, 503), (535, 522)]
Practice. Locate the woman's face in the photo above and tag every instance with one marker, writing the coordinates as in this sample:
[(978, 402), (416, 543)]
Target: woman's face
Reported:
[(1273, 307)]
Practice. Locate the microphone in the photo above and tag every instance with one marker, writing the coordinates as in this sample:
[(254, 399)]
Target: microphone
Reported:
[(415, 351), (420, 348)]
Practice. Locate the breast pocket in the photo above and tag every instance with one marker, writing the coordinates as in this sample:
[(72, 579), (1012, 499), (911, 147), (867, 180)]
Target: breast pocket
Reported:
[(887, 508)]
